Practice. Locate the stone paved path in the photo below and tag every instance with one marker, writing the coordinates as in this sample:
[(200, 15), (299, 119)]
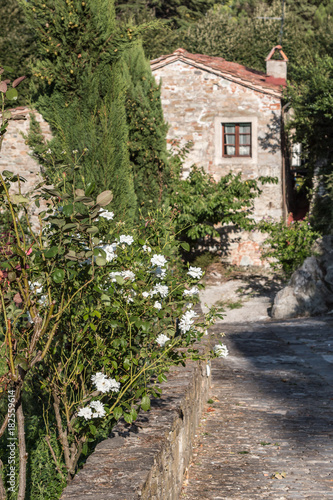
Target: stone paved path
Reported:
[(269, 432)]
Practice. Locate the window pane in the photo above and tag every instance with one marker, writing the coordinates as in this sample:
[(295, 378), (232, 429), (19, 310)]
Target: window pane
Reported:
[(229, 139), (244, 150), (230, 150), (244, 139), (229, 128), (245, 128)]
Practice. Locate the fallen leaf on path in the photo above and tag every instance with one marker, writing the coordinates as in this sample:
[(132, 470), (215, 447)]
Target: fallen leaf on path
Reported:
[(278, 475)]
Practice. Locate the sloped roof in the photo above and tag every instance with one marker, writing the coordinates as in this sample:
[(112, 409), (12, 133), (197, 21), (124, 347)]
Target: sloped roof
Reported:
[(235, 72)]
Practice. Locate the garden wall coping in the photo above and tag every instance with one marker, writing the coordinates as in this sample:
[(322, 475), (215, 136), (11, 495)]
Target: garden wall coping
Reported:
[(148, 459)]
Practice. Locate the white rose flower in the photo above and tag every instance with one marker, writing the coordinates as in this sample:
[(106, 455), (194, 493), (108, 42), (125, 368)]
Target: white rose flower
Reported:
[(110, 251), (221, 350), (126, 239), (187, 321), (85, 413), (107, 215), (99, 409), (192, 291), (146, 248), (105, 384), (115, 386), (158, 305), (36, 286), (162, 339), (195, 272), (128, 274), (145, 295), (158, 260), (163, 290)]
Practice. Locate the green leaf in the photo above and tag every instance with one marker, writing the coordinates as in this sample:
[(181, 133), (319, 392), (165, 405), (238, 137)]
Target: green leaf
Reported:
[(17, 199), (120, 280), (51, 252), (145, 326), (84, 199), (162, 378), (105, 298), (85, 448), (133, 414), (128, 418), (19, 251), (100, 261), (127, 364), (185, 246), (22, 362), (11, 94), (145, 403), (104, 198), (68, 210), (117, 413), (92, 429), (92, 230), (90, 188), (58, 275), (7, 174)]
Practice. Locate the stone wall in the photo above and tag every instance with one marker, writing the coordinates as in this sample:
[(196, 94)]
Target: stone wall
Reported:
[(15, 154)]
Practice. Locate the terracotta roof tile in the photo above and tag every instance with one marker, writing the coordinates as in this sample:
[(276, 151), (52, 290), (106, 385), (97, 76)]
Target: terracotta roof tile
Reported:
[(237, 72)]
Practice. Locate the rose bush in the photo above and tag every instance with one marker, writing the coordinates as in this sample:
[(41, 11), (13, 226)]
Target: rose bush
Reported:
[(94, 314)]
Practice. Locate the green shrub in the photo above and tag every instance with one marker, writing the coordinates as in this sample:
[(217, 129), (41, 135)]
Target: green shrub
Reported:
[(288, 244)]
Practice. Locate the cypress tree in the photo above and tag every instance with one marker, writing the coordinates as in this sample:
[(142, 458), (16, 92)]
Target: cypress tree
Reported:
[(147, 131), (16, 46), (80, 90)]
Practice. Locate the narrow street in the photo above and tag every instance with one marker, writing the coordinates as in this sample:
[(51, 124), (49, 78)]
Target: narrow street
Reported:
[(267, 431)]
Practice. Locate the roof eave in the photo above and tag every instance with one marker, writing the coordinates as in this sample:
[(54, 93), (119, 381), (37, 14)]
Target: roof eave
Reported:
[(166, 60)]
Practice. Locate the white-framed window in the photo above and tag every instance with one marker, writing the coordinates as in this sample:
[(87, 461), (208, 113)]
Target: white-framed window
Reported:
[(236, 140)]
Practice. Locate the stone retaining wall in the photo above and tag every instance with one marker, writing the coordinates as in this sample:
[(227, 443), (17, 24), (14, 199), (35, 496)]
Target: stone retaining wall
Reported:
[(148, 459)]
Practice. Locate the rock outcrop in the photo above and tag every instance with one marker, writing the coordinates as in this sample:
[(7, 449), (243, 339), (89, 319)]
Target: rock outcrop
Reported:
[(310, 289)]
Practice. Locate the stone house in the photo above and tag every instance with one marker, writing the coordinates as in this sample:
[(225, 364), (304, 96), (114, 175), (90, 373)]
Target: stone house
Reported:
[(233, 115)]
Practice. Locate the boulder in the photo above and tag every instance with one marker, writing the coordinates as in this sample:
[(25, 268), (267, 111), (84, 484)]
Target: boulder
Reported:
[(307, 293)]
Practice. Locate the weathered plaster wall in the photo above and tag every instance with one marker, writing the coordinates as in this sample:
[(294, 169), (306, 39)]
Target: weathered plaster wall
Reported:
[(15, 154), (196, 103)]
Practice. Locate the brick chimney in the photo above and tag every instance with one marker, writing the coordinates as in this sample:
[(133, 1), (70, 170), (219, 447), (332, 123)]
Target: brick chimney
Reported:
[(277, 67)]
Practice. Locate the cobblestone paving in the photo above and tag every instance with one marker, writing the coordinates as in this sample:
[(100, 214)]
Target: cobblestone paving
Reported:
[(269, 432)]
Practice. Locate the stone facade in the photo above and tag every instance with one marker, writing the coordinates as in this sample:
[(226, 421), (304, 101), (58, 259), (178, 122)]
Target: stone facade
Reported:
[(199, 95), (15, 154)]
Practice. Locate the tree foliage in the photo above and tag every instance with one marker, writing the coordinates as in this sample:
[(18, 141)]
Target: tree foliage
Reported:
[(81, 92), (246, 35), (147, 131), (312, 103), (16, 45)]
